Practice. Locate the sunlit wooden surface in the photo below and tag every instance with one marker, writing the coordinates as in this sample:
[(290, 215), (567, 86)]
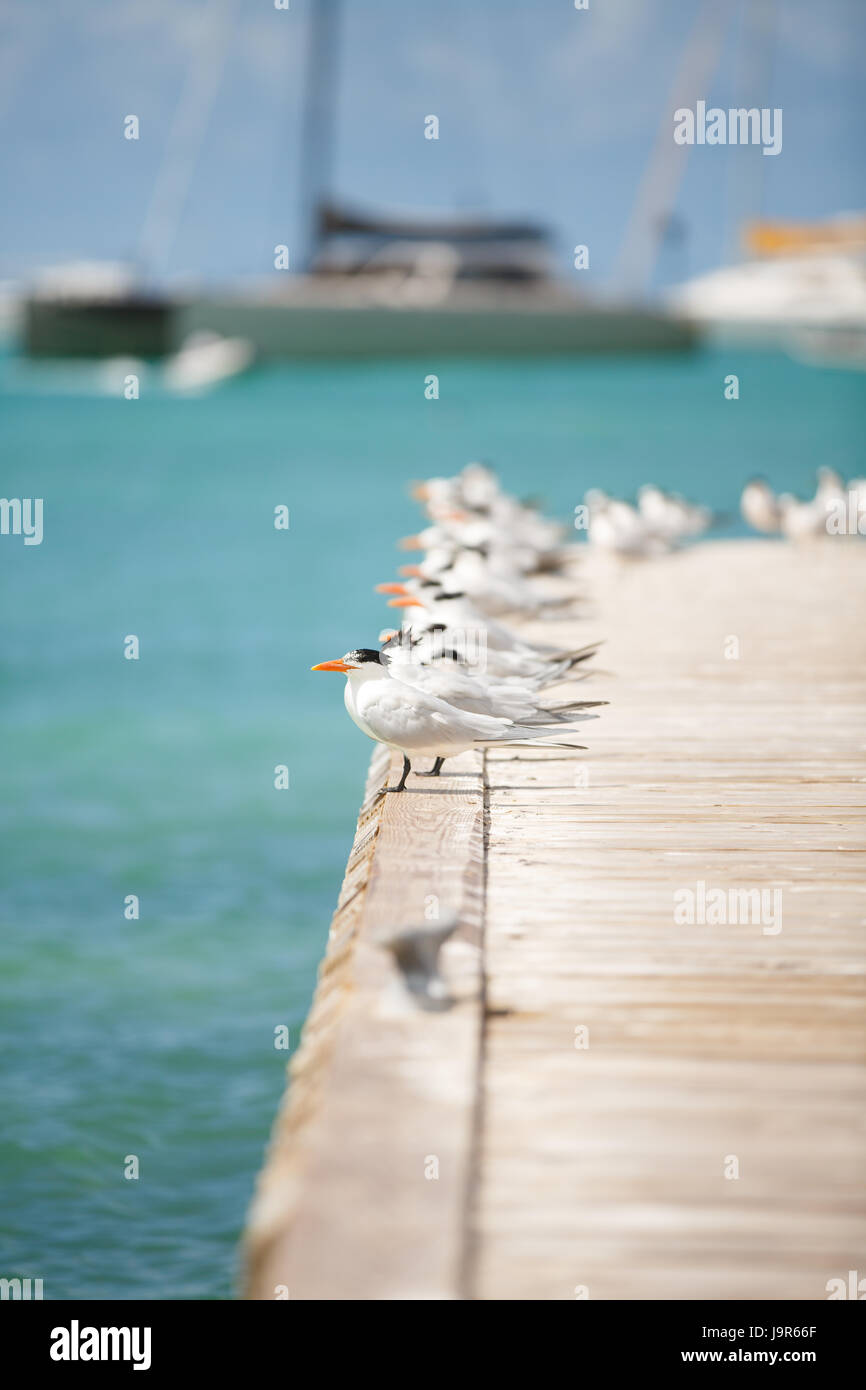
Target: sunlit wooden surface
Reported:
[(606, 1070)]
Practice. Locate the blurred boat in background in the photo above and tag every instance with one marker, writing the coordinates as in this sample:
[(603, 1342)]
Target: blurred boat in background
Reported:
[(377, 287), (372, 284), (804, 291), (205, 359)]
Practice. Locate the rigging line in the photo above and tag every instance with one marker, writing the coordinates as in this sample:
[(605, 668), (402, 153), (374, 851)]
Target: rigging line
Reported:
[(185, 138), (318, 120), (662, 175), (746, 171)]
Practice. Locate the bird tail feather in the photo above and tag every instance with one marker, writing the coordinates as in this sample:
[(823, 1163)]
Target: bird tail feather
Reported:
[(517, 743)]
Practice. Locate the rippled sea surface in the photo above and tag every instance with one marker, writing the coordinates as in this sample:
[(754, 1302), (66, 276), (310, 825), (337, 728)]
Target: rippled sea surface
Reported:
[(155, 777)]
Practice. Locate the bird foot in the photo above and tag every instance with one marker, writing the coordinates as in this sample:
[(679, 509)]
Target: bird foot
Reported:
[(401, 785), (434, 771)]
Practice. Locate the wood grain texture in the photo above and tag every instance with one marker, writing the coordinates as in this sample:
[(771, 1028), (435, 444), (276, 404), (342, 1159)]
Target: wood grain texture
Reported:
[(347, 1207), (602, 1168)]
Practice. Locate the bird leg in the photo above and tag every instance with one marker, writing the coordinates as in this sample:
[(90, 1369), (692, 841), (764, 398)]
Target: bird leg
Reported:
[(434, 771), (407, 768)]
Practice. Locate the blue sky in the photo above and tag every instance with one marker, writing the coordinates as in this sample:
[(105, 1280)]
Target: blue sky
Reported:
[(544, 111)]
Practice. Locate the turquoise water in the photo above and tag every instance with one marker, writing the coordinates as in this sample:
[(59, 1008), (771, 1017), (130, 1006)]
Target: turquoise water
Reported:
[(155, 1037)]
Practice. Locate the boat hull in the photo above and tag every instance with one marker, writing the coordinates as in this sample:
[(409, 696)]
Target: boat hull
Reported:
[(276, 330)]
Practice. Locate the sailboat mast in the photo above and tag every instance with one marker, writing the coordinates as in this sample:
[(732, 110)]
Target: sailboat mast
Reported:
[(659, 185), (186, 137), (318, 120)]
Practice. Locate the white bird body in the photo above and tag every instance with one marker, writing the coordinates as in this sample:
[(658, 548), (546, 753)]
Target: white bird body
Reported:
[(616, 526), (475, 693), (830, 485), (479, 486), (430, 639), (438, 559), (457, 611), (546, 669), (759, 506), (490, 559), (802, 520), (493, 590), (471, 509), (420, 724), (454, 678), (659, 521), (661, 516), (669, 517), (503, 666), (797, 520)]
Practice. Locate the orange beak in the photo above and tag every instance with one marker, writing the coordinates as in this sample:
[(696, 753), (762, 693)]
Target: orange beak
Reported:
[(410, 543), (338, 665), (407, 601), (412, 571), (420, 492), (393, 588)]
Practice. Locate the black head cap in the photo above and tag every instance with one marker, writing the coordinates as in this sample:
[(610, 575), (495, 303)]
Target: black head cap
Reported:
[(361, 655)]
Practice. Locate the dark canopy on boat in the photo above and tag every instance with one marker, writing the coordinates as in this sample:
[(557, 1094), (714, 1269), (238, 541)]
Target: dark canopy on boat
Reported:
[(333, 219), (351, 242)]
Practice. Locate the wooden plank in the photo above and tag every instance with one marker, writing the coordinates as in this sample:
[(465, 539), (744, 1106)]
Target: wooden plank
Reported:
[(366, 1199), (603, 1168)]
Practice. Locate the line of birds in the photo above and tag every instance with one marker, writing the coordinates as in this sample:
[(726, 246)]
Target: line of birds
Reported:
[(656, 523), (454, 676), (659, 521), (783, 513)]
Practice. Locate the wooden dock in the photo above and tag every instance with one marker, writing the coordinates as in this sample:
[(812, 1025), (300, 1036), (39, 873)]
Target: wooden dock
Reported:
[(619, 1103)]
